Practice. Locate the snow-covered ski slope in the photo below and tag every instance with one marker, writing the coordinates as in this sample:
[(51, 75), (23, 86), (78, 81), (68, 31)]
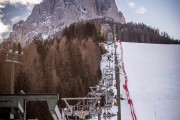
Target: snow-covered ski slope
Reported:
[(153, 72)]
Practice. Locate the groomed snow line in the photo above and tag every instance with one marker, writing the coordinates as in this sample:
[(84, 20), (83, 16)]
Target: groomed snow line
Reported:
[(125, 85)]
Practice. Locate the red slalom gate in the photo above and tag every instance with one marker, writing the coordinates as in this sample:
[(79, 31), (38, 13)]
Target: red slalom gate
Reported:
[(125, 86)]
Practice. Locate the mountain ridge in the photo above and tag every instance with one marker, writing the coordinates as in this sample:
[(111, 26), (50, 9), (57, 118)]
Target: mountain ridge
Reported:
[(50, 17)]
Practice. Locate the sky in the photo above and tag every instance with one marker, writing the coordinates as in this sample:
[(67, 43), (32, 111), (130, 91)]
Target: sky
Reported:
[(12, 11), (162, 14)]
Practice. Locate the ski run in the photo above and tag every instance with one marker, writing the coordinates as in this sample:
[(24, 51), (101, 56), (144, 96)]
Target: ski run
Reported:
[(151, 73)]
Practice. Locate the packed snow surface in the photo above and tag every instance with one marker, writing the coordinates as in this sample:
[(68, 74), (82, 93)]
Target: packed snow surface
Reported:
[(153, 72)]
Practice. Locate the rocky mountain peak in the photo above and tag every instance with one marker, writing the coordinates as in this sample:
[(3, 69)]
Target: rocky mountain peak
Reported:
[(51, 16)]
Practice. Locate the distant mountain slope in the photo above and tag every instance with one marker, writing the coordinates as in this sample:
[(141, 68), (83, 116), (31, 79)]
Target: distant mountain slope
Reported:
[(51, 16)]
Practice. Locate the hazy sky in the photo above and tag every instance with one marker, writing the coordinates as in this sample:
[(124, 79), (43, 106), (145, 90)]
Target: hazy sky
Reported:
[(162, 14)]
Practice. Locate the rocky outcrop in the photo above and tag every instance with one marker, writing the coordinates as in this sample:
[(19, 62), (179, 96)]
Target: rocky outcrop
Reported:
[(52, 16)]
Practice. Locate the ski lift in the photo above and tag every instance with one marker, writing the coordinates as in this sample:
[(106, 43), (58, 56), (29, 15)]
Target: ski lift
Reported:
[(103, 88), (121, 95), (109, 104), (68, 111), (115, 103), (104, 114), (81, 112), (108, 114), (111, 90), (111, 93), (111, 83), (115, 84)]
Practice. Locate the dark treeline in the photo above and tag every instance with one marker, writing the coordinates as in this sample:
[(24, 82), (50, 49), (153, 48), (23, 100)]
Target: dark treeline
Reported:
[(82, 30), (138, 32), (141, 33)]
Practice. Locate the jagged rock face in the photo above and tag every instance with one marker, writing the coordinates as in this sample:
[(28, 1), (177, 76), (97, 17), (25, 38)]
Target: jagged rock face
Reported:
[(51, 16)]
